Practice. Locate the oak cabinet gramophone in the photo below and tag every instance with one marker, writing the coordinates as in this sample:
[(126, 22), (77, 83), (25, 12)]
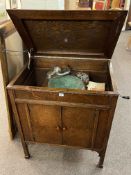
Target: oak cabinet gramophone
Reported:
[(85, 41)]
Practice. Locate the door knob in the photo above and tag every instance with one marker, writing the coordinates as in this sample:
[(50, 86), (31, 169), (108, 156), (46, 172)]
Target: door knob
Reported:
[(64, 128), (58, 128)]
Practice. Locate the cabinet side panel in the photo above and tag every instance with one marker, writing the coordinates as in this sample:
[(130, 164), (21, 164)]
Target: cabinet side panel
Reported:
[(104, 125), (25, 122), (101, 129)]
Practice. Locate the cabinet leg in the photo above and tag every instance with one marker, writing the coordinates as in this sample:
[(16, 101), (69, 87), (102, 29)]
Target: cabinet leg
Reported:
[(17, 119), (26, 150), (101, 160)]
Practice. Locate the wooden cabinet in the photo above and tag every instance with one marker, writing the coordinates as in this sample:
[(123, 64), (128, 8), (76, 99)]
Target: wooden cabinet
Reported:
[(85, 41), (72, 126)]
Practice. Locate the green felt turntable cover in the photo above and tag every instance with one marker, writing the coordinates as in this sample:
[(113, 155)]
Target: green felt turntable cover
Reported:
[(68, 81)]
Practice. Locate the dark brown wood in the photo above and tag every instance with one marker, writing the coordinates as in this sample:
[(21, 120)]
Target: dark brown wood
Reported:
[(85, 114), (59, 103), (79, 124), (57, 32), (77, 63), (113, 101), (11, 94), (96, 115), (79, 118), (45, 123)]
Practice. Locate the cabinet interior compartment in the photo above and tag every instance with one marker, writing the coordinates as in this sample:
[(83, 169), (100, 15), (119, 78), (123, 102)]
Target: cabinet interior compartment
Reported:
[(98, 71)]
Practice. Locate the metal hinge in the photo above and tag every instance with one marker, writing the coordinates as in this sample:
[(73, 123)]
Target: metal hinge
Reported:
[(29, 55)]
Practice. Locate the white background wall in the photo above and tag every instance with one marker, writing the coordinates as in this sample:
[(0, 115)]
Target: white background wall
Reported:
[(14, 42), (42, 4), (15, 62)]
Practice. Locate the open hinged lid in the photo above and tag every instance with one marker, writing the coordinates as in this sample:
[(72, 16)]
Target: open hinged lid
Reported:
[(69, 33)]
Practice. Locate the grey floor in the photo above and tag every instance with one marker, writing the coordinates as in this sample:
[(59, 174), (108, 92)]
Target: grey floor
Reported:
[(63, 161)]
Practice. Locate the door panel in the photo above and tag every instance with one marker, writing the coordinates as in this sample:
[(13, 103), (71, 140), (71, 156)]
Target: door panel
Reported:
[(79, 126), (45, 121)]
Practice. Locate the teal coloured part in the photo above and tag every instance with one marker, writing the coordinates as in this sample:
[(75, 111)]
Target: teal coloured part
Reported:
[(68, 81)]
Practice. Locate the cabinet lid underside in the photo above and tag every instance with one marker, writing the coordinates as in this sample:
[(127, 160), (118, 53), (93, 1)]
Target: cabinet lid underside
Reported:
[(91, 34)]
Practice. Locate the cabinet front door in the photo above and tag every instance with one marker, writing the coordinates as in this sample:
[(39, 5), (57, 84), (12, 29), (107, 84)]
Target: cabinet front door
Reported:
[(79, 126), (46, 123)]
